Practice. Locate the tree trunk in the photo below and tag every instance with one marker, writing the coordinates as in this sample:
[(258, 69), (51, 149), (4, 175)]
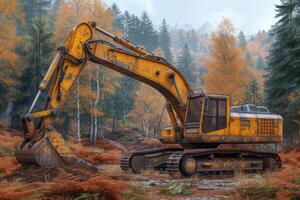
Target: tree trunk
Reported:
[(100, 132), (95, 105), (91, 108), (7, 114), (78, 113), (114, 124), (124, 114)]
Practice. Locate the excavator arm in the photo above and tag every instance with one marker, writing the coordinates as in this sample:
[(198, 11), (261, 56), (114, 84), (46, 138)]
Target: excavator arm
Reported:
[(43, 144)]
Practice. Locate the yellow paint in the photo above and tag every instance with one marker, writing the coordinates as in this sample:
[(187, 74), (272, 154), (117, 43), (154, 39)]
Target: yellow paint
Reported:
[(58, 142)]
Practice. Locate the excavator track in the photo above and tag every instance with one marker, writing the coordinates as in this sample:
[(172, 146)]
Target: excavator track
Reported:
[(221, 161), (173, 163), (125, 161), (147, 159), (204, 161)]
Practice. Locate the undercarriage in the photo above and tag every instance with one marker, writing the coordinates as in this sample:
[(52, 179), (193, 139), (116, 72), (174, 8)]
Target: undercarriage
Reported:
[(187, 162)]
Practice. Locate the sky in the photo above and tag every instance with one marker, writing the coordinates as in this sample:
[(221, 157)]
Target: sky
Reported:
[(249, 16)]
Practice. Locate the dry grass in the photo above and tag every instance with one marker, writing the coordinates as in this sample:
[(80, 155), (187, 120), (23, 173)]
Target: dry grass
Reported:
[(282, 185), (65, 183)]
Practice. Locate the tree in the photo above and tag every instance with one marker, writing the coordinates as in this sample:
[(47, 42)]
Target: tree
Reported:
[(127, 21), (10, 14), (148, 105), (95, 81), (35, 8), (185, 64), (118, 19), (253, 93), (192, 40), (248, 58), (242, 42), (149, 36), (283, 83), (135, 33), (124, 97), (226, 67), (260, 63), (164, 41), (39, 46)]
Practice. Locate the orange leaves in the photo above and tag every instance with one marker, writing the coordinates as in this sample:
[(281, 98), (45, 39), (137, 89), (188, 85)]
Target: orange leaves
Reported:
[(95, 81), (260, 45), (148, 106), (110, 189), (8, 41), (227, 73), (73, 12), (32, 182)]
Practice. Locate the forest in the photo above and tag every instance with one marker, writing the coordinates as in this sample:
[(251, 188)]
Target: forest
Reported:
[(109, 114)]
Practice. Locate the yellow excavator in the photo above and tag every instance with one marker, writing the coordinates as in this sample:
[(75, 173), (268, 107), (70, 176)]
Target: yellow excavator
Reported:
[(213, 137)]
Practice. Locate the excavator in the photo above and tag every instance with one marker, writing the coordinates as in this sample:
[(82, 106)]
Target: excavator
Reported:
[(210, 137)]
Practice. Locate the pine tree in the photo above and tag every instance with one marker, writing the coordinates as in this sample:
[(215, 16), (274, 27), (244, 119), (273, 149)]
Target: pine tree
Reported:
[(35, 8), (127, 22), (185, 64), (192, 40), (35, 49), (135, 33), (149, 36), (283, 82), (124, 97), (40, 45), (164, 41), (248, 58), (260, 63), (118, 20), (253, 95), (242, 42)]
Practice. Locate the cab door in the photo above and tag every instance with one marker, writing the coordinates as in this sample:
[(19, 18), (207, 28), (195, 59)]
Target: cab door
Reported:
[(194, 113), (215, 113)]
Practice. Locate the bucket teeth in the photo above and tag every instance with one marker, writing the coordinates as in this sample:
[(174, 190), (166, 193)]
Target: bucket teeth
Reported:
[(50, 152)]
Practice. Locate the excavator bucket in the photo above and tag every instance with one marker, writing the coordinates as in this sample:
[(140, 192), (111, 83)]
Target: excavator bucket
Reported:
[(49, 152)]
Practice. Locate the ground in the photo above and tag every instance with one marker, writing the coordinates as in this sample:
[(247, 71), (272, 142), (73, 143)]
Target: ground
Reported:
[(109, 182)]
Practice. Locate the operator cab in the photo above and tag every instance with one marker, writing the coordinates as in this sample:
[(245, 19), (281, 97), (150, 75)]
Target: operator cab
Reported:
[(207, 112)]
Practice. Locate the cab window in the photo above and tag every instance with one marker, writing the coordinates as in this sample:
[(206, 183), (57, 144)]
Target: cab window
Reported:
[(214, 114), (194, 112)]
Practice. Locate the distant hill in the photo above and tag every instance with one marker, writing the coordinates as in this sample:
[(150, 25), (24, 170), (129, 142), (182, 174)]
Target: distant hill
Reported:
[(206, 28)]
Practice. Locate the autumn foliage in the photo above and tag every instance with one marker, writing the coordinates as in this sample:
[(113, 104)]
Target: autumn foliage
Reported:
[(226, 68), (18, 182)]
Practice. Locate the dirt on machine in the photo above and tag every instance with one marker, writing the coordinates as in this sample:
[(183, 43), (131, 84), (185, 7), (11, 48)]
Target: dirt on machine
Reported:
[(214, 137)]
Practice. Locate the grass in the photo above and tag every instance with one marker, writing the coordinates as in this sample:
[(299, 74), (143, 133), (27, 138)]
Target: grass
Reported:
[(297, 181), (263, 192), (295, 197), (176, 188), (131, 138), (136, 192), (7, 151), (83, 196)]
